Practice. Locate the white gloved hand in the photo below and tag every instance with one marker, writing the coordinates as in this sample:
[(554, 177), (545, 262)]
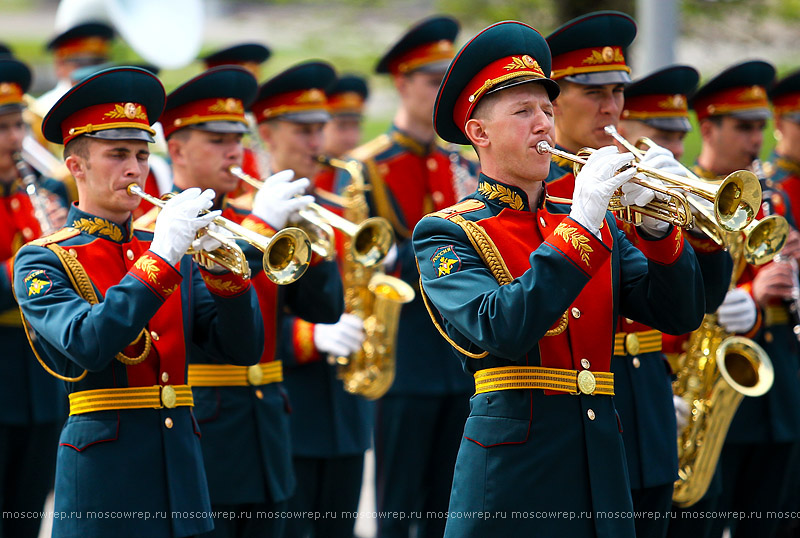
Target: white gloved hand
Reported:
[(207, 243), (662, 159), (276, 201), (341, 338), (737, 314), (682, 412), (391, 258), (177, 223), (595, 184)]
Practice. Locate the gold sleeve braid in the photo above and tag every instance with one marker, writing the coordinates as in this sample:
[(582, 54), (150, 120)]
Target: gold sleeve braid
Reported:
[(490, 254), (83, 285)]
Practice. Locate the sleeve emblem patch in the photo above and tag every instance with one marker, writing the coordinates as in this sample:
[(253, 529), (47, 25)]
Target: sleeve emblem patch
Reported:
[(445, 261), (37, 283)]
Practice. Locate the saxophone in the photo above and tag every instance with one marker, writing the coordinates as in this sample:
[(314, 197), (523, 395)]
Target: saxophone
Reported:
[(713, 376), (371, 295)]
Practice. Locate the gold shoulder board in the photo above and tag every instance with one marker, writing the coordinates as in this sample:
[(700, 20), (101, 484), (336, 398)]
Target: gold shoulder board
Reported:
[(55, 237), (466, 206), (372, 148)]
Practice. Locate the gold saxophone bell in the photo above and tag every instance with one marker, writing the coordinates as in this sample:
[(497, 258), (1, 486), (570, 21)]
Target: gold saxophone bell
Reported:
[(285, 255), (370, 240)]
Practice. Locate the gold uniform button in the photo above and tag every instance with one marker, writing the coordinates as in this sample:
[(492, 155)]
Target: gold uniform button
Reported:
[(636, 362), (590, 414), (154, 335), (259, 394), (14, 204), (28, 233), (164, 377), (72, 252), (438, 197), (575, 313), (542, 222), (432, 164), (168, 422), (768, 338), (129, 254), (629, 321), (585, 363)]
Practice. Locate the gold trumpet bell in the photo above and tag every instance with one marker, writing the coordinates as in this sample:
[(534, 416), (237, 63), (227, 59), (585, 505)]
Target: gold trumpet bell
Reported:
[(737, 200), (765, 239), (287, 254)]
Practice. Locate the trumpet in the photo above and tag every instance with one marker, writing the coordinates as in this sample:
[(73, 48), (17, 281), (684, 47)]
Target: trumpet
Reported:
[(37, 197), (370, 240), (285, 255), (674, 210), (736, 200)]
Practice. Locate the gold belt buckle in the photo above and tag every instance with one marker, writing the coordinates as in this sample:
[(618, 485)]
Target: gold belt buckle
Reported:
[(168, 396), (632, 344), (255, 375), (586, 382)]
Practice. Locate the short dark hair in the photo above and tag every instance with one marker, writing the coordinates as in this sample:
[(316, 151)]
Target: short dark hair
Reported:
[(77, 146)]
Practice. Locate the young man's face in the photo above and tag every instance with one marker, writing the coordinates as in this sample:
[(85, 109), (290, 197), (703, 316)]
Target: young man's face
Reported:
[(12, 131), (733, 143), (418, 91), (204, 159), (789, 138), (633, 130), (293, 146), (341, 134), (583, 111), (104, 175), (517, 119)]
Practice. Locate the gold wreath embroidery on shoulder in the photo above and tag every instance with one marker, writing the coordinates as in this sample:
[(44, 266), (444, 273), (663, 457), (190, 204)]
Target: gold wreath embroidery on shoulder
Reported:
[(578, 241)]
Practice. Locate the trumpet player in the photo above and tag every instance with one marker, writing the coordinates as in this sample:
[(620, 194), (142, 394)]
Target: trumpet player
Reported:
[(590, 67), (655, 107), (244, 412), (732, 109), (32, 403), (116, 313), (83, 45), (528, 288), (785, 176), (330, 428)]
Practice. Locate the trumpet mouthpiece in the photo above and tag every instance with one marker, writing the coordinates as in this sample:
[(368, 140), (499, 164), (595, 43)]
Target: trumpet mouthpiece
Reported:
[(543, 147), (610, 129)]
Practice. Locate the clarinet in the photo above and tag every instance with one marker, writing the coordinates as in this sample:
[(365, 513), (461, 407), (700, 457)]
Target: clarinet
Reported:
[(38, 199), (792, 304)]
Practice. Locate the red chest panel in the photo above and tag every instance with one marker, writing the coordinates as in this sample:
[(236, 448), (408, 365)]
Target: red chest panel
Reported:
[(267, 293), (106, 263), (589, 333), (18, 225), (419, 184)]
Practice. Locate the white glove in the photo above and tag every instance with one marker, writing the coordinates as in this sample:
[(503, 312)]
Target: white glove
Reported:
[(662, 159), (682, 412), (341, 338), (595, 184), (391, 258), (177, 224), (275, 202), (737, 313)]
